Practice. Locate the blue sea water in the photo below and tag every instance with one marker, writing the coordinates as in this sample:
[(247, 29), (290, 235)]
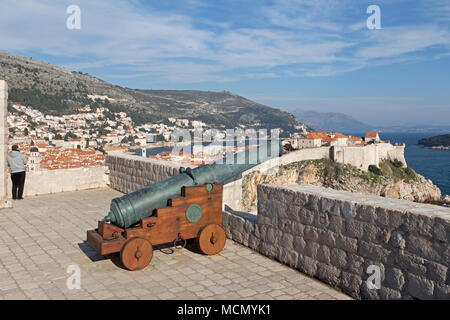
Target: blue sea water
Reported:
[(432, 164)]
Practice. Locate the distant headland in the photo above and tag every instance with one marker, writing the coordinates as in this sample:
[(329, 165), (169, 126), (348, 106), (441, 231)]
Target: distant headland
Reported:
[(437, 142)]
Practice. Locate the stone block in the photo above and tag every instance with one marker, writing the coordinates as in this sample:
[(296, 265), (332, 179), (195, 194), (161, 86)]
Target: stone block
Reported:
[(323, 254), (313, 202), (389, 294), (370, 232), (441, 230), (351, 284), (442, 291), (336, 224), (270, 235), (397, 240), (338, 258), (369, 294), (253, 242), (287, 241), (284, 225), (311, 249), (382, 216), (310, 233), (307, 265), (237, 224), (236, 236), (326, 237), (267, 249), (249, 227), (436, 271), (373, 251), (420, 287), (288, 257), (395, 278), (396, 219), (306, 216), (328, 274), (321, 220), (348, 210), (354, 228), (299, 245), (427, 249), (350, 245), (366, 213), (326, 205), (293, 213), (408, 263), (297, 229)]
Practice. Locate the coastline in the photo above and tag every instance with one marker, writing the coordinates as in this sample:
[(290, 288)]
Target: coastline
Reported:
[(436, 147)]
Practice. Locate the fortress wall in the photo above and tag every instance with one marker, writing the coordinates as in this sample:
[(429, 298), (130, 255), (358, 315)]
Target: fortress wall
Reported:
[(62, 180), (360, 157), (341, 237), (306, 154)]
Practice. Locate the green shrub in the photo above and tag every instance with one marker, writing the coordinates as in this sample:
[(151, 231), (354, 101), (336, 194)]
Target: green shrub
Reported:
[(374, 169), (397, 163), (410, 173)]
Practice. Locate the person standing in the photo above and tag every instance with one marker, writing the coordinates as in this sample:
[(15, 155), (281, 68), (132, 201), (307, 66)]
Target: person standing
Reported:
[(17, 162)]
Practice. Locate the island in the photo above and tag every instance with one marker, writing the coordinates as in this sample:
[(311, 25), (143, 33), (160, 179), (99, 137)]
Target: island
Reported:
[(436, 142)]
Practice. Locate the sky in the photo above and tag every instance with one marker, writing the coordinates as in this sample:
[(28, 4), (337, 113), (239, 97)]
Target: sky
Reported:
[(290, 54)]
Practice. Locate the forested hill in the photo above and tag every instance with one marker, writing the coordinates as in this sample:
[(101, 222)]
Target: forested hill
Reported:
[(55, 90), (436, 141)]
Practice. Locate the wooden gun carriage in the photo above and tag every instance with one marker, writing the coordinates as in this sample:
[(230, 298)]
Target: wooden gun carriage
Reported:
[(197, 214)]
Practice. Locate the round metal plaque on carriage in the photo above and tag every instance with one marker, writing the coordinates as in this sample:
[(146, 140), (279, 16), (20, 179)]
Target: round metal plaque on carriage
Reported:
[(194, 213)]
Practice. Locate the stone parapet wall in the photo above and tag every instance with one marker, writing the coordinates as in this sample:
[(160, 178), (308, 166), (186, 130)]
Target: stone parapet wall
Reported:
[(62, 180), (128, 173), (336, 236)]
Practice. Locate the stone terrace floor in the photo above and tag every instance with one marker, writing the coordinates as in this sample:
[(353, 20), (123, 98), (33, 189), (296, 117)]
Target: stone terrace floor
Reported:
[(41, 236)]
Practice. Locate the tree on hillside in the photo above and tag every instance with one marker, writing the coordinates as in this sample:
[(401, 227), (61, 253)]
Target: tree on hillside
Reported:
[(70, 135)]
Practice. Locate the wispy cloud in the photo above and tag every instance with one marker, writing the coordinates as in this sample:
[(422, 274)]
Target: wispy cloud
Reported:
[(310, 38)]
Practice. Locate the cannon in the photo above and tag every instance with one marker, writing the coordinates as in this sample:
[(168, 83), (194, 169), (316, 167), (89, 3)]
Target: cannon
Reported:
[(185, 206)]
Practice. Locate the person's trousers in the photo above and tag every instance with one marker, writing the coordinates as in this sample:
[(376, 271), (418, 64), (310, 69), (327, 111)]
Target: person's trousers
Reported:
[(18, 181)]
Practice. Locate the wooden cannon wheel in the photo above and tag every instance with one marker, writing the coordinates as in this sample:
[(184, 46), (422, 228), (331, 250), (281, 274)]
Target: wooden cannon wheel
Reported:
[(211, 239), (136, 253)]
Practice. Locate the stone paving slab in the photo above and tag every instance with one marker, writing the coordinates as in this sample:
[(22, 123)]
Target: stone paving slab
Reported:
[(41, 236)]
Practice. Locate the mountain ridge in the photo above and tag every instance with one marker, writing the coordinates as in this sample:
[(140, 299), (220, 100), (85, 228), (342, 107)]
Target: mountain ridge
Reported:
[(55, 90), (331, 121)]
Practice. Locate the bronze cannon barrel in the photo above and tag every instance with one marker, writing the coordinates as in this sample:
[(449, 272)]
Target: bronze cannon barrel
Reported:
[(131, 208)]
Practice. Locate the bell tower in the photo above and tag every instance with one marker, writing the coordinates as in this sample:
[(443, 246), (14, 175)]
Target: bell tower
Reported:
[(34, 161)]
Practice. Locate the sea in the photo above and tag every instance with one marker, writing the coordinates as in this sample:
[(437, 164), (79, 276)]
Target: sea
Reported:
[(430, 163)]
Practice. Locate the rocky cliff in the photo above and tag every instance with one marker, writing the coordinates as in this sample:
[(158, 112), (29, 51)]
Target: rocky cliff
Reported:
[(389, 180)]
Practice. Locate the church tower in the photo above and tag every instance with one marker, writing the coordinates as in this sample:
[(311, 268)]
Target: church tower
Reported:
[(34, 161)]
